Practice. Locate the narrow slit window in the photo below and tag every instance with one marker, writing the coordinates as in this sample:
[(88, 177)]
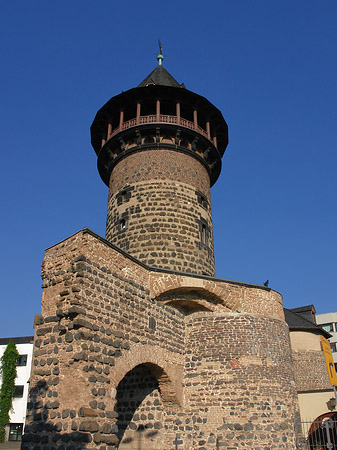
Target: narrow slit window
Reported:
[(203, 234)]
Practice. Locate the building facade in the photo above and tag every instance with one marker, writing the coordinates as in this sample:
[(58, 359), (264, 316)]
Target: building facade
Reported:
[(328, 321), (17, 414), (311, 375), (138, 345)]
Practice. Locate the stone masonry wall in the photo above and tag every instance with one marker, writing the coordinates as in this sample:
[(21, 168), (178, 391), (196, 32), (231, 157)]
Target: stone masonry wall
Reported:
[(127, 357), (310, 371), (159, 211), (309, 362), (239, 381), (96, 310)]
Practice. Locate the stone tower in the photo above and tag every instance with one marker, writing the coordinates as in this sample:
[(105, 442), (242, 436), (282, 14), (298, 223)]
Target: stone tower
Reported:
[(138, 346), (159, 150)]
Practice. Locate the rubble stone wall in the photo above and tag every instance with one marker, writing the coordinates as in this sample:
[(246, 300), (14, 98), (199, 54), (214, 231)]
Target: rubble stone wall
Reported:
[(130, 357), (310, 369), (159, 211)]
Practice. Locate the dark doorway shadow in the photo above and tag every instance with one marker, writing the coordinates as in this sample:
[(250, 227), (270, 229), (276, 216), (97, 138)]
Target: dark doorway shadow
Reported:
[(139, 409)]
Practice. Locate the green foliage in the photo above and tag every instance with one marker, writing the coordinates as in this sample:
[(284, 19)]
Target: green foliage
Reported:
[(8, 372)]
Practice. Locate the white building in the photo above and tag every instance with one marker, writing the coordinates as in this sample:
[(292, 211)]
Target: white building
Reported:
[(328, 322), (17, 415)]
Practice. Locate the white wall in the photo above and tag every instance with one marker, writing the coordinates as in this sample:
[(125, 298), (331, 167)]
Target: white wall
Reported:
[(18, 413)]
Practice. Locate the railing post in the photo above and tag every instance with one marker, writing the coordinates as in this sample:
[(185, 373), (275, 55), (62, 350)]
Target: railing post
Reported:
[(138, 114), (178, 112), (215, 142), (121, 119), (208, 130), (195, 119), (109, 131)]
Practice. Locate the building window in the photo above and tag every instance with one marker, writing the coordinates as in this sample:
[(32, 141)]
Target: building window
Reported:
[(333, 346), (152, 323), (124, 195), (123, 223), (203, 234), (327, 327), (22, 360), (15, 431), (202, 200), (18, 392)]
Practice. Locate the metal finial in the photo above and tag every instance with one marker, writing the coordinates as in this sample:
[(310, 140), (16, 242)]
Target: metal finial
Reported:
[(160, 57)]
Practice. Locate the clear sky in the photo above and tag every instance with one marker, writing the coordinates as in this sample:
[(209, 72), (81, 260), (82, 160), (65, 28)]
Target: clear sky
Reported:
[(269, 66)]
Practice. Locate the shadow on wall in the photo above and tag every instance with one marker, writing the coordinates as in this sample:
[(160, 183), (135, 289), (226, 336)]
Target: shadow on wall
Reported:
[(140, 410), (136, 424), (40, 432)]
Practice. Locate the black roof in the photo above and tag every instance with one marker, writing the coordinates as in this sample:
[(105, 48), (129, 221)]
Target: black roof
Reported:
[(297, 322), (17, 340), (160, 76)]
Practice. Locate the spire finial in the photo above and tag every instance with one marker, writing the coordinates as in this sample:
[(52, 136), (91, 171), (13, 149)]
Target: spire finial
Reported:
[(160, 57)]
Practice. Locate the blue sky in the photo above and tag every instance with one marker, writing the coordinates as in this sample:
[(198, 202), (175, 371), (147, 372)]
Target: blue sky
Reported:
[(269, 66)]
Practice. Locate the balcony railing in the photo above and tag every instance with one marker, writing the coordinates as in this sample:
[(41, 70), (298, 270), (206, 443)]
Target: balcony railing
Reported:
[(163, 118)]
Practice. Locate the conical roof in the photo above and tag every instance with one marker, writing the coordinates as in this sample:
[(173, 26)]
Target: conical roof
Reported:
[(160, 76)]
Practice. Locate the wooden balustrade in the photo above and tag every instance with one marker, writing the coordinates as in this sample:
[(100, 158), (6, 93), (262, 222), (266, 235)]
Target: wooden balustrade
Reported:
[(163, 118)]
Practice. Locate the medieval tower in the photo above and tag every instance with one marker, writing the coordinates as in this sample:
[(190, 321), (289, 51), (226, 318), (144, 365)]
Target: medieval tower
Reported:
[(138, 345)]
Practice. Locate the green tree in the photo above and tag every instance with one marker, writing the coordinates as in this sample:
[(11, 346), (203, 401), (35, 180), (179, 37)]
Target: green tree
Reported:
[(8, 372)]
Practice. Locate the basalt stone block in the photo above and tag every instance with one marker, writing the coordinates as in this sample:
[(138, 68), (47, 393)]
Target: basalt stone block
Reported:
[(77, 436), (89, 425), (58, 426), (76, 310), (43, 331), (97, 438), (56, 437), (65, 437), (68, 337), (65, 413), (51, 319), (79, 322), (27, 437), (49, 426), (110, 439), (111, 414), (80, 356), (87, 412)]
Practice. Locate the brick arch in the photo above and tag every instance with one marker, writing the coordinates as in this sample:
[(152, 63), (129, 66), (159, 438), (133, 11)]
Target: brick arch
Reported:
[(189, 300), (213, 295), (166, 368)]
